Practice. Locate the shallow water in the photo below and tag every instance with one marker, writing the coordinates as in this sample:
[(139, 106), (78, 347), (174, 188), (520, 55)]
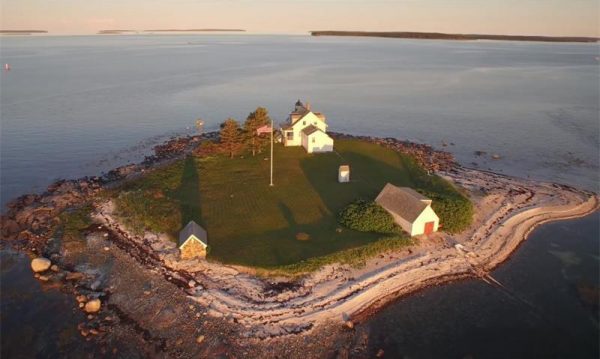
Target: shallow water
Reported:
[(36, 320)]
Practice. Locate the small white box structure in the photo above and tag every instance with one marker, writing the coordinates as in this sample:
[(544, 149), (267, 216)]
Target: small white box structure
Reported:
[(344, 174)]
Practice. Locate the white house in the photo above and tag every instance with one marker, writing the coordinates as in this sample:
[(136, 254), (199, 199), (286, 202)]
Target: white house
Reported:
[(307, 129), (410, 209)]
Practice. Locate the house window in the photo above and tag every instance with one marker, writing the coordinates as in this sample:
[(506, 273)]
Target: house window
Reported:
[(304, 123), (290, 135), (315, 123), (313, 140)]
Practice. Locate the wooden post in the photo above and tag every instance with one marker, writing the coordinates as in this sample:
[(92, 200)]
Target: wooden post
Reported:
[(271, 184)]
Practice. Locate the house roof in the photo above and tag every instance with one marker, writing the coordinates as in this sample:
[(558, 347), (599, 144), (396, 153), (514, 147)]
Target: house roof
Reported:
[(403, 201), (302, 110), (309, 130), (192, 228)]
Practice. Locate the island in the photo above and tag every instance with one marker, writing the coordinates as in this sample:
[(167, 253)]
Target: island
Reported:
[(22, 32), (115, 32), (443, 36), (284, 260), (196, 30)]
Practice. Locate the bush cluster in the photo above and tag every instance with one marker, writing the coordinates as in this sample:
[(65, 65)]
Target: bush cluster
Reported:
[(455, 210), (365, 216), (140, 211)]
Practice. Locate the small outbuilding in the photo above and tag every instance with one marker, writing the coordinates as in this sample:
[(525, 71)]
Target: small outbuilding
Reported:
[(411, 210), (193, 241), (344, 174), (316, 140)]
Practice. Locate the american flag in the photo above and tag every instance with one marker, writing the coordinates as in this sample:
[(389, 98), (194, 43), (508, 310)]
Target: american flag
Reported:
[(263, 129)]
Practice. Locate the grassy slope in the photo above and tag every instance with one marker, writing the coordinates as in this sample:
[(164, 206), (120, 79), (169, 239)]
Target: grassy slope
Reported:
[(250, 223)]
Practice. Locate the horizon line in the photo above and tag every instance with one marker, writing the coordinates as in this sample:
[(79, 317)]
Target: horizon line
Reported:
[(30, 32)]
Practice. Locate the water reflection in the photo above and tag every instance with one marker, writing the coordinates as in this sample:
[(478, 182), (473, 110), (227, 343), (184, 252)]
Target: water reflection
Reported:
[(555, 276)]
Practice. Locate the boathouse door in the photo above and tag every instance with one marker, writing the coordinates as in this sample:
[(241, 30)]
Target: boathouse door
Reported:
[(429, 227)]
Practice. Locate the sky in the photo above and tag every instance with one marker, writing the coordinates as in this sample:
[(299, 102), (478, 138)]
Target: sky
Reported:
[(514, 17)]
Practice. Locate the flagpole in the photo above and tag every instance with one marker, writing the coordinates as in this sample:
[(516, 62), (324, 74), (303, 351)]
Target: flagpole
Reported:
[(271, 184)]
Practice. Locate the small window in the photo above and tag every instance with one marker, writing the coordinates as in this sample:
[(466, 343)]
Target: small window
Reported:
[(304, 123), (315, 123), (290, 135), (314, 140)]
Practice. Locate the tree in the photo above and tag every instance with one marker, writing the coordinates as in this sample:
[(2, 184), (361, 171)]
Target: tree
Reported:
[(231, 141), (254, 121)]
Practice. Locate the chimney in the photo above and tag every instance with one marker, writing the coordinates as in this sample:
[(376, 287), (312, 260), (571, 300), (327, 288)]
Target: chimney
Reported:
[(308, 106)]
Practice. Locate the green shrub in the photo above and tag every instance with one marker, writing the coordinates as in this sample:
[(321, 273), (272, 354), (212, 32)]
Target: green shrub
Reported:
[(455, 210), (75, 220), (364, 216), (141, 210)]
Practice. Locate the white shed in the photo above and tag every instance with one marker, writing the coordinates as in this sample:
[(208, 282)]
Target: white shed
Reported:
[(410, 209), (344, 174), (315, 140)]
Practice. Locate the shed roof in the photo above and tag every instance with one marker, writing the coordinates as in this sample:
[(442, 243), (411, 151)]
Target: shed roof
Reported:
[(344, 168), (403, 201), (192, 228)]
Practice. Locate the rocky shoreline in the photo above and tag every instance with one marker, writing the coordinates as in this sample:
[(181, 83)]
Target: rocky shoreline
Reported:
[(206, 308)]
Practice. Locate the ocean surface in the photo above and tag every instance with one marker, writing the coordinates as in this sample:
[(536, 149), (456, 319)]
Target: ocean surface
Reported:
[(74, 106), (81, 105), (548, 307)]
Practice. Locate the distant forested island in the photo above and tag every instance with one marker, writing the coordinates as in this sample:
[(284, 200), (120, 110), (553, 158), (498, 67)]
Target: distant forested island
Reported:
[(22, 32), (114, 32), (442, 36), (194, 30)]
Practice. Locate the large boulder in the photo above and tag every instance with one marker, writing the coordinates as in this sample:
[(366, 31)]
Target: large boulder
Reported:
[(40, 264), (92, 306)]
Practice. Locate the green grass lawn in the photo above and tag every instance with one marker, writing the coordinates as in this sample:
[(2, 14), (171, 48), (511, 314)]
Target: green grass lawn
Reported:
[(250, 223)]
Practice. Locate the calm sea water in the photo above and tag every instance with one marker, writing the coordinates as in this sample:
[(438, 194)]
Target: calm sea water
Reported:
[(81, 105), (546, 311), (73, 106)]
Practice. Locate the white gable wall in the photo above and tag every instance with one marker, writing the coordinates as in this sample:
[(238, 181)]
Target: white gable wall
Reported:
[(317, 142), (418, 225)]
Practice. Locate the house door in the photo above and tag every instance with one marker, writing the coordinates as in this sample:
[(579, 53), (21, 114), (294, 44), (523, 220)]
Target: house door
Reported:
[(429, 227)]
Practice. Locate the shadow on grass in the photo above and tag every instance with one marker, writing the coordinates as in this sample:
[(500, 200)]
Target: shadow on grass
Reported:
[(188, 193), (368, 177), (287, 214)]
